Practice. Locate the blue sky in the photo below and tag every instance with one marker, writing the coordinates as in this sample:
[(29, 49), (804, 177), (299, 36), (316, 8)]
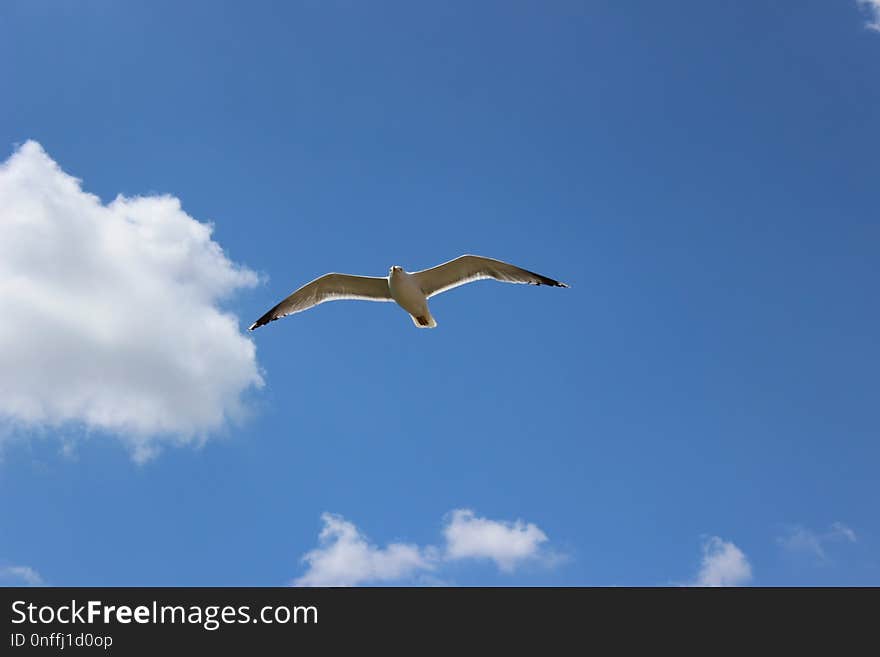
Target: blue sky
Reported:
[(700, 406)]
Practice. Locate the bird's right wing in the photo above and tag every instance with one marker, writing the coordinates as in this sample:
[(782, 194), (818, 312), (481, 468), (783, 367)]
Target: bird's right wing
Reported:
[(328, 287), (467, 268)]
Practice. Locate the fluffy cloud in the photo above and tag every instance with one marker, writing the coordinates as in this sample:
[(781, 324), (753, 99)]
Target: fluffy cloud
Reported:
[(803, 540), (20, 575), (506, 543), (723, 564), (111, 315), (873, 7), (346, 558)]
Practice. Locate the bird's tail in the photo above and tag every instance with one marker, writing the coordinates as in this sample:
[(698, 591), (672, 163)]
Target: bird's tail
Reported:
[(424, 320)]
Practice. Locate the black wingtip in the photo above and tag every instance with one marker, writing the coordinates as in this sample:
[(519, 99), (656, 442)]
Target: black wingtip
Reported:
[(260, 322), (265, 319), (543, 280)]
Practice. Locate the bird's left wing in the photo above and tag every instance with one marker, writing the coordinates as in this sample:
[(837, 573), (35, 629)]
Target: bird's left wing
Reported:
[(328, 287)]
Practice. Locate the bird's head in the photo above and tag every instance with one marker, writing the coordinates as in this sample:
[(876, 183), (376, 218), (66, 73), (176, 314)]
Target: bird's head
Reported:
[(395, 268)]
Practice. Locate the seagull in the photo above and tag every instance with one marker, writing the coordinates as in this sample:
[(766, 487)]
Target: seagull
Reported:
[(411, 291)]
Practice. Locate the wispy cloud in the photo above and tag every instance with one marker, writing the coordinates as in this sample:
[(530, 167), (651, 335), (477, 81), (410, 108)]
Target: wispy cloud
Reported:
[(723, 564), (873, 8), (20, 575), (345, 557), (111, 313), (800, 539), (839, 530)]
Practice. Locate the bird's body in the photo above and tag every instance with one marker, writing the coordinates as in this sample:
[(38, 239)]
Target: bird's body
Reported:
[(410, 291), (408, 294)]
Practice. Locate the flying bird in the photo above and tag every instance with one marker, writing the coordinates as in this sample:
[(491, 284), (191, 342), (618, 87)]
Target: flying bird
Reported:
[(411, 291)]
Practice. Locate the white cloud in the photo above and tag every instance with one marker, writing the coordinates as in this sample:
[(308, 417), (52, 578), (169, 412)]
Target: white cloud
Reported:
[(801, 539), (839, 530), (111, 315), (20, 575), (873, 7), (723, 564), (506, 543), (346, 558), (806, 541)]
